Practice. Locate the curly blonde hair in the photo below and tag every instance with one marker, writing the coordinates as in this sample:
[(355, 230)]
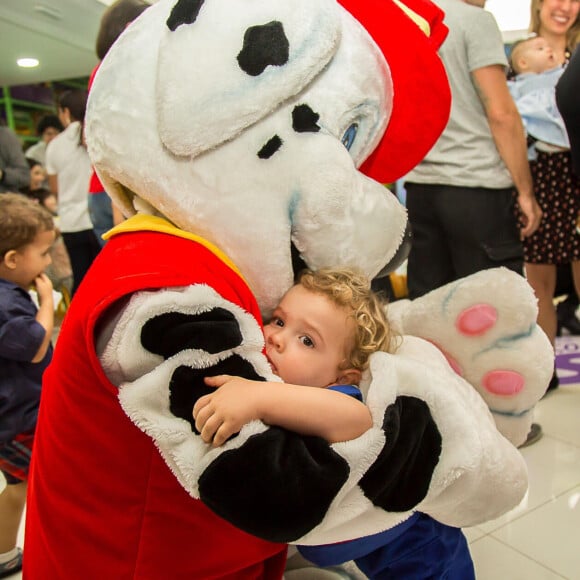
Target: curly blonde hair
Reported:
[(351, 290)]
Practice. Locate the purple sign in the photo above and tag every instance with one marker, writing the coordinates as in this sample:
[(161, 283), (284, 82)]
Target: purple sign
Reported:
[(568, 359)]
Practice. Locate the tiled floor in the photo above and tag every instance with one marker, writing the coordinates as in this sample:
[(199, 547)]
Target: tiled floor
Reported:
[(540, 539)]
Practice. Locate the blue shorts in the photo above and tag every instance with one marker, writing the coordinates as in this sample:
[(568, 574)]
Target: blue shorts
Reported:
[(420, 548)]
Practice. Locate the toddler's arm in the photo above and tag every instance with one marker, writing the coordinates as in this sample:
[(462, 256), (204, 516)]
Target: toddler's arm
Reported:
[(314, 411)]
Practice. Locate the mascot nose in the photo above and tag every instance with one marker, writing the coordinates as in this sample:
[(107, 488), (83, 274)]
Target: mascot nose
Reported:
[(400, 255), (298, 264)]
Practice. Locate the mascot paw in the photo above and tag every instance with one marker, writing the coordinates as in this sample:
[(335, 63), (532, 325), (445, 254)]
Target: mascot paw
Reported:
[(485, 325)]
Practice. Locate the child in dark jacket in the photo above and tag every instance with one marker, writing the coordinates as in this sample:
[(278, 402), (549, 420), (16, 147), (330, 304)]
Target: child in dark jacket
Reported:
[(26, 236)]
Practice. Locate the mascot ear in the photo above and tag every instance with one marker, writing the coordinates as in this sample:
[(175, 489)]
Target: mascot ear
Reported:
[(408, 33), (224, 65)]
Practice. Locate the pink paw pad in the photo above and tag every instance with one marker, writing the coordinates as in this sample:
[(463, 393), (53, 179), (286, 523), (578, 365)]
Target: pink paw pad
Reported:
[(503, 383), (476, 320), (452, 362)]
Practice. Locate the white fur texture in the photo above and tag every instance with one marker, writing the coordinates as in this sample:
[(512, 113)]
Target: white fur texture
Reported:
[(514, 343), (144, 378), (220, 90), (479, 475), (167, 137), (309, 192)]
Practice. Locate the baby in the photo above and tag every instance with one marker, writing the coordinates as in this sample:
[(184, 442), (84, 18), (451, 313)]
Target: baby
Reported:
[(533, 89)]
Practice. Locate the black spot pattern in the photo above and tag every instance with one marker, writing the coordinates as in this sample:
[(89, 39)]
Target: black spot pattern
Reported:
[(400, 477), (184, 12), (304, 119), (270, 147), (170, 333), (278, 485), (187, 386), (264, 45)]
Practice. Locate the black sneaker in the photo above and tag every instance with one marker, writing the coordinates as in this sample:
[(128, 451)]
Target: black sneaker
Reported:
[(12, 566)]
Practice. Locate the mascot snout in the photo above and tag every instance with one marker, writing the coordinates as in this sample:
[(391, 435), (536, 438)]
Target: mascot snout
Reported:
[(251, 156)]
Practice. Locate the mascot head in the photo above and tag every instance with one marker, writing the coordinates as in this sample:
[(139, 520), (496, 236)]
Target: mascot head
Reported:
[(268, 127)]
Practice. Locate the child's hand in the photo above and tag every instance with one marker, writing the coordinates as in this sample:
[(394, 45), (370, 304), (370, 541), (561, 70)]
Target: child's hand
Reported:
[(223, 413), (43, 288)]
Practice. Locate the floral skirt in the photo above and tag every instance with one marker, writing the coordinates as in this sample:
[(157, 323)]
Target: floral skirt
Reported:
[(557, 189)]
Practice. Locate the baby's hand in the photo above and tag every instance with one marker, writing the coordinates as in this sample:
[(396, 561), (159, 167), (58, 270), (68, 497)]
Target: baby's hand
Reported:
[(220, 415), (43, 288)]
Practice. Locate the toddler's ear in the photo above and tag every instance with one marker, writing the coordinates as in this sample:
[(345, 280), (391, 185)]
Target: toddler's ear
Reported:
[(349, 377), (9, 259)]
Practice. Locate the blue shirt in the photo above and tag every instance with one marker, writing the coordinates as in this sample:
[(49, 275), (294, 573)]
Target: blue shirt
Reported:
[(20, 380), (535, 98)]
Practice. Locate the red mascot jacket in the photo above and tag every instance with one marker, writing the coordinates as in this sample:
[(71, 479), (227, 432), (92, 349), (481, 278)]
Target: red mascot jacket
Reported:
[(102, 502)]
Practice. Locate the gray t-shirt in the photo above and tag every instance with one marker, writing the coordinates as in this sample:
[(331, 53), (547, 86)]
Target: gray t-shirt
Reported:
[(465, 154)]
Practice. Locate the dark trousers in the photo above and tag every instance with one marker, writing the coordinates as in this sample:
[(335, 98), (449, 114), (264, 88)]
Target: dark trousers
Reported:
[(458, 231), (82, 248)]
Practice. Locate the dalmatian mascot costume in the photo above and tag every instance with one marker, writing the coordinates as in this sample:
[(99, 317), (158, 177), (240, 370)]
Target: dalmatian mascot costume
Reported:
[(242, 138)]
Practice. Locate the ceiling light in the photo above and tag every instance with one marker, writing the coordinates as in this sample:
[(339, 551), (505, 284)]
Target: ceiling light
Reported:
[(27, 62)]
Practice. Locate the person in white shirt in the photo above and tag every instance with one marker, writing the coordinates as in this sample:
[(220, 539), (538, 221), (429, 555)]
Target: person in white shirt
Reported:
[(69, 170), (47, 129)]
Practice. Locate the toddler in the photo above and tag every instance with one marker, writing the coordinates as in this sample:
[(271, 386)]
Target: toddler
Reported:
[(321, 335), (59, 271), (26, 236)]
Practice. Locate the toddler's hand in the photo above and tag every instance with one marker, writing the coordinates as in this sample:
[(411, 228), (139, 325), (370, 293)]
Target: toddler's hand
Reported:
[(44, 288), (220, 415)]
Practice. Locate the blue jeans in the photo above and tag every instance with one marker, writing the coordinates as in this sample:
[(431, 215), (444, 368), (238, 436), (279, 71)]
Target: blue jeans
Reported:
[(419, 549), (101, 212)]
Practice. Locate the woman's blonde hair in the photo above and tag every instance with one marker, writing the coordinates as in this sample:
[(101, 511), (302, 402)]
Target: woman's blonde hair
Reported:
[(351, 290), (573, 34)]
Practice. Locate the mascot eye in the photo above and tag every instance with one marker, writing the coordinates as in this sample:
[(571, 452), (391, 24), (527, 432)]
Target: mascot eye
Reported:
[(349, 136)]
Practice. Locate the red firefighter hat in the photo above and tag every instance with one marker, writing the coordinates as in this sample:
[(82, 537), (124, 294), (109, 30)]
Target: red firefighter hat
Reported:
[(409, 33)]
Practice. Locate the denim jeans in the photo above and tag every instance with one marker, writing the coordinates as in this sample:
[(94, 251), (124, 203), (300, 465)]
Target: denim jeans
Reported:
[(101, 212)]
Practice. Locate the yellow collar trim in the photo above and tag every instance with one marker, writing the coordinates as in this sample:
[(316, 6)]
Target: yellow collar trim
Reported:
[(150, 223), (418, 20)]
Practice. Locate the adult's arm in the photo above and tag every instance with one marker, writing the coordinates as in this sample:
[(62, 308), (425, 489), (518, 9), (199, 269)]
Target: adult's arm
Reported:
[(51, 169), (14, 170), (508, 133), (53, 184), (567, 91)]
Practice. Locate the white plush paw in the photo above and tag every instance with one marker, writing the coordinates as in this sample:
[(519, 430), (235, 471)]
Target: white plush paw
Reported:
[(485, 325)]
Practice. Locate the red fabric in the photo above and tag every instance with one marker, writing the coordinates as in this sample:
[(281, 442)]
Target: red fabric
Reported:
[(102, 502), (95, 185), (418, 77)]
